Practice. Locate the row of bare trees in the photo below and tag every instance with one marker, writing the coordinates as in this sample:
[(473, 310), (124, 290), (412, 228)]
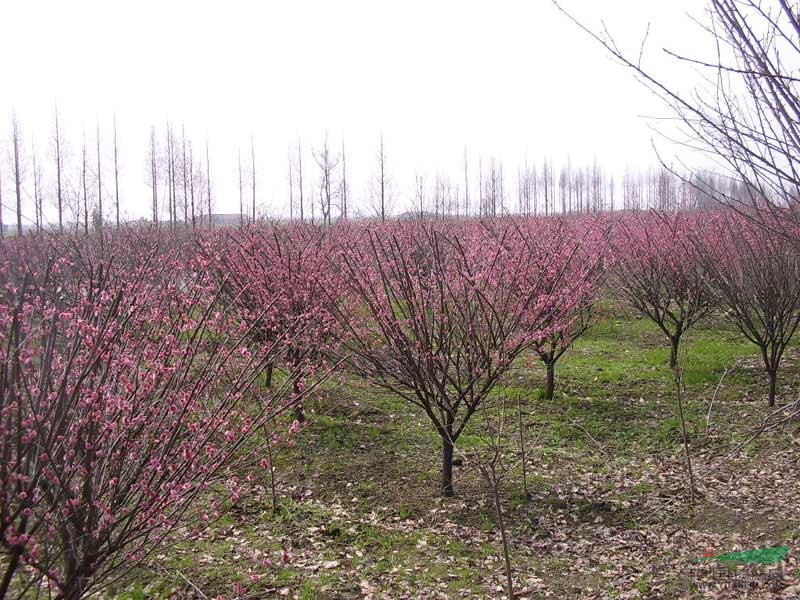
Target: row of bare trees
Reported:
[(179, 178), (77, 188)]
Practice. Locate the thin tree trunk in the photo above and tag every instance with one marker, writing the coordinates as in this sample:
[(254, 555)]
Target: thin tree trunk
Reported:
[(299, 411), (495, 485), (85, 195), (344, 183), (185, 180), (549, 388), (191, 181), (208, 182), (99, 184), (300, 178), (116, 173), (241, 195), (37, 200), (154, 173), (674, 343), (253, 158), (291, 188), (17, 178), (11, 568), (678, 376), (773, 380), (60, 196), (447, 466)]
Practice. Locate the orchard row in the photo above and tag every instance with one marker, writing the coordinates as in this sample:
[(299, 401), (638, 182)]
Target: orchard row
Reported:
[(136, 364)]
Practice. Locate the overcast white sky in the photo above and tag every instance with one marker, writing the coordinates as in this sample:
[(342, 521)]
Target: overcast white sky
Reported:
[(506, 78)]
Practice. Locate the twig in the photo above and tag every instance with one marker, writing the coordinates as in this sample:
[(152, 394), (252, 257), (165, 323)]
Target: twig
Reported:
[(186, 579), (716, 391), (591, 437), (522, 448)]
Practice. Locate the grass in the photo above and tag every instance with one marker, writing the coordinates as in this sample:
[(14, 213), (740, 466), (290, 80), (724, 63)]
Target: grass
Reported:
[(359, 513)]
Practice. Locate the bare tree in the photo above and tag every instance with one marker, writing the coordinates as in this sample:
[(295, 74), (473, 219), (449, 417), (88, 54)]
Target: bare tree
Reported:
[(253, 176), (99, 181), (300, 177), (343, 186), (241, 191), (15, 140), (327, 164), (59, 172), (747, 114), (84, 187), (153, 160), (191, 184), (171, 177), (116, 173), (208, 183), (291, 188), (466, 183), (185, 174), (381, 193), (480, 188), (37, 190), (420, 195)]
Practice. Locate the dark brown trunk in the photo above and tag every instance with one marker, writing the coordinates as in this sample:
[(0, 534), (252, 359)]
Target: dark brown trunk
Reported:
[(447, 467), (299, 412), (503, 535), (549, 387), (673, 351), (773, 380), (268, 380), (11, 568)]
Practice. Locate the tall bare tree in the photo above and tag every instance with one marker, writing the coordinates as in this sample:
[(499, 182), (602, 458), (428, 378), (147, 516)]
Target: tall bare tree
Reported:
[(171, 177), (748, 115), (208, 183), (99, 181), (241, 191), (291, 188), (327, 164), (253, 176), (84, 187), (381, 192), (153, 160), (191, 184), (343, 191), (16, 141), (419, 192), (37, 190), (185, 174), (59, 172), (300, 177), (466, 183), (116, 173)]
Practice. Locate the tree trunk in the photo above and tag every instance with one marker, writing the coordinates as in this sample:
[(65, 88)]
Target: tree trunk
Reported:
[(299, 412), (503, 535), (773, 380), (11, 568), (447, 466), (549, 387), (673, 353), (268, 380)]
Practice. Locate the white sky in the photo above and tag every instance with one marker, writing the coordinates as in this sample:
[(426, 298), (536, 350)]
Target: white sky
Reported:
[(506, 78)]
